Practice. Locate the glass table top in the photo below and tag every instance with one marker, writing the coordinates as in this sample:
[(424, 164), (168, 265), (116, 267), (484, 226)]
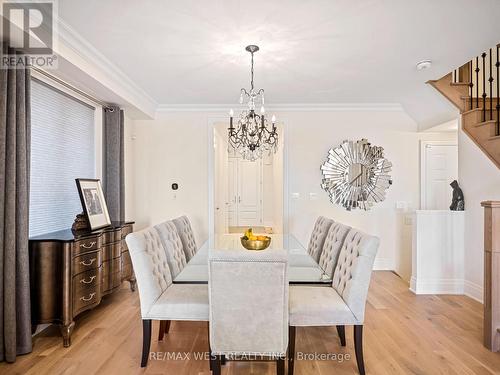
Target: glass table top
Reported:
[(303, 269)]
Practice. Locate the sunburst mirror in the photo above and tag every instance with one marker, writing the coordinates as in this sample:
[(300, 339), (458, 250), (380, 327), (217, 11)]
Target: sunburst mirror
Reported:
[(356, 174)]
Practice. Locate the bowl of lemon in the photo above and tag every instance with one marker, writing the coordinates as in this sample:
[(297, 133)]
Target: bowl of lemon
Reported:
[(251, 241)]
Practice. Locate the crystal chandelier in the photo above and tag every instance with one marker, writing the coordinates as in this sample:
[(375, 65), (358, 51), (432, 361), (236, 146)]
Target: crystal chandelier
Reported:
[(252, 136)]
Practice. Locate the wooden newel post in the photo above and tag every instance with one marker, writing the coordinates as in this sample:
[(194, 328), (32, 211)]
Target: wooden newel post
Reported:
[(492, 275)]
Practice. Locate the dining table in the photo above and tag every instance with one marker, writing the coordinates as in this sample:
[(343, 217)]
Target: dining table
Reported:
[(302, 268)]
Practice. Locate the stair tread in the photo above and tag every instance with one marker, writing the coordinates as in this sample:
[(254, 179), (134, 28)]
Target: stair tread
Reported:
[(459, 83), (472, 110), (487, 122)]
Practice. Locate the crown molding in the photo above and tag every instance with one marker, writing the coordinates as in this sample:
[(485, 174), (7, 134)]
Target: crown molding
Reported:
[(284, 107), (116, 79)]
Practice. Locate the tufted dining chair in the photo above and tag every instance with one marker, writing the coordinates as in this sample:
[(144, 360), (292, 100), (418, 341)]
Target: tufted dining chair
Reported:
[(172, 244), (318, 237), (186, 234), (176, 259), (159, 298), (332, 246), (248, 293), (343, 303)]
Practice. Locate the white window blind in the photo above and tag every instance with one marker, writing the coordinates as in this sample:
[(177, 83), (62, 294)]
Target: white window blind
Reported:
[(62, 149)]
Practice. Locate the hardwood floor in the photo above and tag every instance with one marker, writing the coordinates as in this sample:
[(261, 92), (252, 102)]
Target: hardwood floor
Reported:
[(404, 334)]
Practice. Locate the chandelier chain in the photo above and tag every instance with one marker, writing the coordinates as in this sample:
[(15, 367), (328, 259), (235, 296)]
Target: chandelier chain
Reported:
[(251, 82)]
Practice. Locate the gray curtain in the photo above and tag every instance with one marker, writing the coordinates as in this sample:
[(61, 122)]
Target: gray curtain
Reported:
[(15, 314), (114, 163)]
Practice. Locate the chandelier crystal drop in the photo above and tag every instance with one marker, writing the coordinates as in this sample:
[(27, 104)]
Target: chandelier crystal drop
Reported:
[(252, 136)]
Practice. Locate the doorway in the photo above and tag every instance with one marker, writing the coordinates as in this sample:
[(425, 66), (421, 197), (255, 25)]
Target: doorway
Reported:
[(439, 169), (246, 194)]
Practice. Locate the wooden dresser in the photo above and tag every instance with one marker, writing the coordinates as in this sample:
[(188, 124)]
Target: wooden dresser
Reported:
[(70, 273)]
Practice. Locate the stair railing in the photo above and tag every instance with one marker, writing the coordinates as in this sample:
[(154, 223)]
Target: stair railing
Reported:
[(484, 84)]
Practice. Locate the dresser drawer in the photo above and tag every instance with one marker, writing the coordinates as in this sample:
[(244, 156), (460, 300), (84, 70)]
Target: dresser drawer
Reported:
[(86, 245), (86, 262), (126, 230), (111, 251), (124, 246), (86, 279), (126, 271), (86, 297), (111, 266), (126, 258), (111, 236), (116, 279)]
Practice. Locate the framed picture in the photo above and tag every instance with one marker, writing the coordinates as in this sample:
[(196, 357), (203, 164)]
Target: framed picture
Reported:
[(93, 202)]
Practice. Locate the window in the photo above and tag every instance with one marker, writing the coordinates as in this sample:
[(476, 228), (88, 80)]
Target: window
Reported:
[(62, 149)]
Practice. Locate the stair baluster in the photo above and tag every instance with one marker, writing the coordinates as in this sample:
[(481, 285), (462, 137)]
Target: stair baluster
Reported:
[(483, 55), (491, 87), (471, 84), (497, 130), (477, 81)]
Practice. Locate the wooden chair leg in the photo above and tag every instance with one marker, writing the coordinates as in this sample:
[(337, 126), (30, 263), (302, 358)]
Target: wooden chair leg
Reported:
[(291, 349), (146, 341), (341, 332), (161, 330), (223, 360), (210, 359), (358, 346), (164, 328), (216, 365), (280, 366)]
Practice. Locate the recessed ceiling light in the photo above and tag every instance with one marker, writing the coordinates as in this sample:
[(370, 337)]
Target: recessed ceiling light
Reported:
[(424, 64)]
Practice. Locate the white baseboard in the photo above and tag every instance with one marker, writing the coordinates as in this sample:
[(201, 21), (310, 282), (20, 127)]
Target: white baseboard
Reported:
[(437, 286), (473, 291), (383, 264)]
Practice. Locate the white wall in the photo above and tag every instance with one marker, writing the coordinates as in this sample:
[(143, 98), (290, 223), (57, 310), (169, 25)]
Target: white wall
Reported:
[(130, 200), (174, 148), (170, 150), (480, 181)]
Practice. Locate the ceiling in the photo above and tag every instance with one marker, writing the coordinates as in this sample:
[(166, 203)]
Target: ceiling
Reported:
[(191, 52)]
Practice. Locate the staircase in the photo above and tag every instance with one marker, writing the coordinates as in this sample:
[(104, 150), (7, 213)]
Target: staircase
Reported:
[(474, 90)]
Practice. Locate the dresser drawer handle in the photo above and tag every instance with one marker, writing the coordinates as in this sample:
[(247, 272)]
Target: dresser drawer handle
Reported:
[(89, 246), (85, 263), (86, 299), (87, 282)]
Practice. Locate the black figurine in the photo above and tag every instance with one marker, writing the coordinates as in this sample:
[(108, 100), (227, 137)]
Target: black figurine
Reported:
[(458, 202)]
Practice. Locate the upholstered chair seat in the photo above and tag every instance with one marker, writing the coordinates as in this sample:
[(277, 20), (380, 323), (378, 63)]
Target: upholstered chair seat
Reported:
[(332, 246), (159, 298), (318, 237), (301, 260), (315, 307), (181, 302), (343, 303), (186, 234), (248, 293)]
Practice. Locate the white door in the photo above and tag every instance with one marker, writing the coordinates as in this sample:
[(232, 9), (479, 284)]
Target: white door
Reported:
[(232, 190), (220, 171), (440, 166), (249, 192)]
